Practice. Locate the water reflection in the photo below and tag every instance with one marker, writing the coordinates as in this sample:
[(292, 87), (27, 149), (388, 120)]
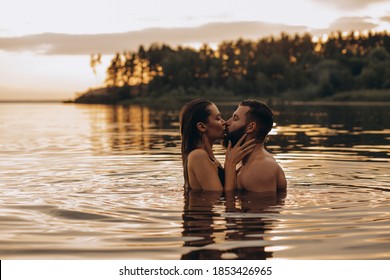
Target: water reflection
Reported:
[(106, 182), (336, 130), (230, 227), (361, 131), (134, 129)]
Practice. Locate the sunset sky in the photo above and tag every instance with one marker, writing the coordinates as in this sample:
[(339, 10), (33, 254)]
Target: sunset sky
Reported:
[(45, 45)]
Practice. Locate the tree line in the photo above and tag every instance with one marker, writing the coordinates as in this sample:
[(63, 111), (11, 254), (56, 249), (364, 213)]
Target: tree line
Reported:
[(297, 67)]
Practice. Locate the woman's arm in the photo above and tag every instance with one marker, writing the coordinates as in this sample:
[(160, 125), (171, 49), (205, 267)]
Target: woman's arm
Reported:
[(233, 157)]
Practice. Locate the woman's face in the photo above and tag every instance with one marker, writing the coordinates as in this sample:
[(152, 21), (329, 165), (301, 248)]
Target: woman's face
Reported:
[(215, 124)]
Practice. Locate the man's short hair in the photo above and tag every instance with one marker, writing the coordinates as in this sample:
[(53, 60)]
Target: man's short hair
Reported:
[(261, 115)]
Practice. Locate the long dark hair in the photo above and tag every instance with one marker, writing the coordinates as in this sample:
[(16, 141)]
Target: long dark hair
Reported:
[(192, 113)]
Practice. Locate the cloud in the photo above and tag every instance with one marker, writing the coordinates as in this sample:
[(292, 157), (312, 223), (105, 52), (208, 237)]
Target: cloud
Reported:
[(386, 19), (348, 24), (349, 4), (65, 44)]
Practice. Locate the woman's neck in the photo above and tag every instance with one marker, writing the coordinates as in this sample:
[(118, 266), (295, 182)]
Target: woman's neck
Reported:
[(207, 145)]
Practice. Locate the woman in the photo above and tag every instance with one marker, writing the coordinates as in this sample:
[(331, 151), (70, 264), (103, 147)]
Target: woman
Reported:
[(201, 125)]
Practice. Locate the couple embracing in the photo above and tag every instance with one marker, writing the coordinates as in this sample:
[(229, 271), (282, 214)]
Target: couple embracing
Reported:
[(247, 166)]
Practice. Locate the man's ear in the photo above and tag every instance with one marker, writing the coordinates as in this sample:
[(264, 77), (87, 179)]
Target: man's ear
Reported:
[(201, 127), (251, 127)]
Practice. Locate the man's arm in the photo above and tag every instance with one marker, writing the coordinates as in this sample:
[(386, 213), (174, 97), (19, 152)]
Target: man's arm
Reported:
[(281, 181)]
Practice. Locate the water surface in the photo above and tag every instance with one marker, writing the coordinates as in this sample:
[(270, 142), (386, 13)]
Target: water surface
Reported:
[(104, 182)]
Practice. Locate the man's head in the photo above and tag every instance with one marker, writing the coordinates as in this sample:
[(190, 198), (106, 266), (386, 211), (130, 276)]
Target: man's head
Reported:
[(252, 117)]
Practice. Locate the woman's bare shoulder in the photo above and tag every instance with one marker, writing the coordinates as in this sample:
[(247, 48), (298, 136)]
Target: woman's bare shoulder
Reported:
[(198, 154)]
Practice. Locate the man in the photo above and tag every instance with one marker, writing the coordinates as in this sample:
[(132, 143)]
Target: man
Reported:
[(259, 171)]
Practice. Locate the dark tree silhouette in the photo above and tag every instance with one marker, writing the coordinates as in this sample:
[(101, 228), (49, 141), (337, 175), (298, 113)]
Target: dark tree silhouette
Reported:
[(286, 66)]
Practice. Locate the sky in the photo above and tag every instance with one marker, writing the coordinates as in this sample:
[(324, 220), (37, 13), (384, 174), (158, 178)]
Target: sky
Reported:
[(45, 45)]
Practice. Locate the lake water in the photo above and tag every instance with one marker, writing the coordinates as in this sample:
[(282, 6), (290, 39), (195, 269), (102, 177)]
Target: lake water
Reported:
[(103, 182)]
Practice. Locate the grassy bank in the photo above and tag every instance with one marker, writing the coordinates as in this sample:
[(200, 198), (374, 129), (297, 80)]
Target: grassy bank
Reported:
[(133, 95), (130, 95)]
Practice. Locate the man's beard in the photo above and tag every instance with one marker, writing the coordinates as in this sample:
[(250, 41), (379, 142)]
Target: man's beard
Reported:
[(233, 136)]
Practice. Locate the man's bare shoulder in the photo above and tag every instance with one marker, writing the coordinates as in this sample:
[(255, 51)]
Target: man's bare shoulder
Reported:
[(265, 160), (260, 175)]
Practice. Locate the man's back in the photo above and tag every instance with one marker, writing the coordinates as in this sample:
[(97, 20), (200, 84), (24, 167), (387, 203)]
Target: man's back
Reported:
[(261, 173)]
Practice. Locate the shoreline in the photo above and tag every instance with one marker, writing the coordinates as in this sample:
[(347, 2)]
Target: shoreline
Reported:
[(224, 103), (139, 96)]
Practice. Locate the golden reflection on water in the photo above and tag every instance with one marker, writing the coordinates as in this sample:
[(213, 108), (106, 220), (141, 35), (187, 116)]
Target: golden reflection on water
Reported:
[(133, 129), (118, 128)]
